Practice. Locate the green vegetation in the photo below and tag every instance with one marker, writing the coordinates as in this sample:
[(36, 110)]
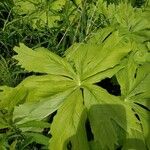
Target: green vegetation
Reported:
[(74, 75)]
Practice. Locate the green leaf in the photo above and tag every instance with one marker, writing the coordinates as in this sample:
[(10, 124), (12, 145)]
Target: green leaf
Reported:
[(58, 4), (94, 62), (13, 145), (144, 116), (25, 7), (38, 138), (39, 13), (39, 110), (47, 61), (44, 86), (135, 80), (68, 125), (3, 123), (37, 124), (10, 97), (135, 141)]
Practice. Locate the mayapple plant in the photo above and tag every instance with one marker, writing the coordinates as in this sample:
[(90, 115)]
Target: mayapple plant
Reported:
[(88, 117)]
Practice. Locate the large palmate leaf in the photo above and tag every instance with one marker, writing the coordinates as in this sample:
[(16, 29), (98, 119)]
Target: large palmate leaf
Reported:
[(64, 75), (135, 79), (135, 86), (83, 65)]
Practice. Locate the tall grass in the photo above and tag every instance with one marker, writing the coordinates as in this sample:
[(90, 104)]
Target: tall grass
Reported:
[(10, 74)]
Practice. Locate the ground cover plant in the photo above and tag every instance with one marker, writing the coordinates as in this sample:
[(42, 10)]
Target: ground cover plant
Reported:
[(77, 77)]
